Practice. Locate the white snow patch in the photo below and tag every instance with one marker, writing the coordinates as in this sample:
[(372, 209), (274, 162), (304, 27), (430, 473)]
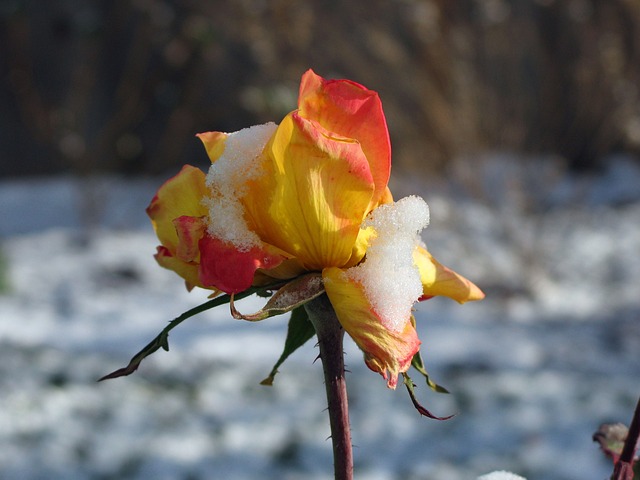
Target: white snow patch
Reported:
[(227, 180), (502, 475), (530, 378), (389, 276)]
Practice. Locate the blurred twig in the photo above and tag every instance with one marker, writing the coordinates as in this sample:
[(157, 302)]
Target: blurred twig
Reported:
[(623, 469)]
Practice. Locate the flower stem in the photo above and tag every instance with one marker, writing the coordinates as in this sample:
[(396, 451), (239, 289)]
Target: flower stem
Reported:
[(330, 335)]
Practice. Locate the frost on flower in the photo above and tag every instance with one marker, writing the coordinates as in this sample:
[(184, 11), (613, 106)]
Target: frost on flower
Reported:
[(501, 475), (227, 179), (389, 276)]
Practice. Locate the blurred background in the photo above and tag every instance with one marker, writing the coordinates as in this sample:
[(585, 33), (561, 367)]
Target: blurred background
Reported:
[(519, 123), (120, 86)]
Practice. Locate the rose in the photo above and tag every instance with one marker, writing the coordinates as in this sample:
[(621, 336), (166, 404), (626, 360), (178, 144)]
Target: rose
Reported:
[(310, 195)]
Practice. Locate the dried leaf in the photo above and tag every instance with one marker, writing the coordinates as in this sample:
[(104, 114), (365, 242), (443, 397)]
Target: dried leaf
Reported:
[(611, 437), (289, 297), (421, 410)]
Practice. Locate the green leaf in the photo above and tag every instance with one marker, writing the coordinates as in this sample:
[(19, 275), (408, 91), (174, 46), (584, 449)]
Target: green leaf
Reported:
[(292, 295), (418, 364), (300, 330), (162, 340)]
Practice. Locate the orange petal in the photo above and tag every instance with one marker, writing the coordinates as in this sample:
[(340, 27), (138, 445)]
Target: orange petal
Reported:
[(440, 280), (313, 194), (178, 196), (387, 352), (224, 267), (350, 110)]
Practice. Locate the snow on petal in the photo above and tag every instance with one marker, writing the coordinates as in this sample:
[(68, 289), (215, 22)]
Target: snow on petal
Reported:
[(387, 352), (227, 180), (389, 276)]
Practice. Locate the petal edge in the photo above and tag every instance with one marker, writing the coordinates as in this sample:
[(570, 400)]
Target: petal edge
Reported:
[(440, 280)]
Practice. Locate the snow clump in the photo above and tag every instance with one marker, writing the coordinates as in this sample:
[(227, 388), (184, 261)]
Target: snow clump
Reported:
[(389, 276), (227, 179)]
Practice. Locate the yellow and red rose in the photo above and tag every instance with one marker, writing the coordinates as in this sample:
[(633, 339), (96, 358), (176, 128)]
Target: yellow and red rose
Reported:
[(283, 200)]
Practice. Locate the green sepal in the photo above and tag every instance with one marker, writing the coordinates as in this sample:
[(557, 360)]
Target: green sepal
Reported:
[(418, 364), (162, 340), (299, 331), (421, 410), (289, 297)]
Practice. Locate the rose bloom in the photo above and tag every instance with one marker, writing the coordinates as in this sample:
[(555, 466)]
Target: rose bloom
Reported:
[(310, 195)]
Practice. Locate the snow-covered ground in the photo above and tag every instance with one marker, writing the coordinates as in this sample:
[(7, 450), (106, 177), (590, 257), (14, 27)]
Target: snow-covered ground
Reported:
[(534, 369)]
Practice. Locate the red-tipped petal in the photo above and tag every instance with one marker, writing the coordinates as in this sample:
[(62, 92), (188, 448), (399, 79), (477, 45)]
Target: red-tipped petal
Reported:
[(351, 110), (224, 267)]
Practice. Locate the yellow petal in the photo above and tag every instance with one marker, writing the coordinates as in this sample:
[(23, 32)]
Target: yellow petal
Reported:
[(179, 196), (213, 143), (288, 269), (360, 246), (365, 235), (188, 271), (386, 352), (387, 197), (440, 280), (312, 195)]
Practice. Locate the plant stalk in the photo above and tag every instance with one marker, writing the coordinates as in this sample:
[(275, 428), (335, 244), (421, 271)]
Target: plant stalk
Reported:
[(623, 469), (330, 336)]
